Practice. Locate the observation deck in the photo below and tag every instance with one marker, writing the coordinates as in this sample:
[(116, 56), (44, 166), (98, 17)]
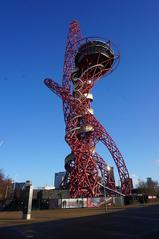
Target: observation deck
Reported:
[(93, 53)]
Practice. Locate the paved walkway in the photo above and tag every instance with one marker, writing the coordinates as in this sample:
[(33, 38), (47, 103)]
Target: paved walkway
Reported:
[(141, 222)]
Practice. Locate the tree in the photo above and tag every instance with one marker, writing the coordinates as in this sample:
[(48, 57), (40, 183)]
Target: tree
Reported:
[(149, 187), (5, 184)]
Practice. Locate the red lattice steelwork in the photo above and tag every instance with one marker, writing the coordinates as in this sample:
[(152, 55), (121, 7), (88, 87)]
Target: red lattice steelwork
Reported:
[(86, 61)]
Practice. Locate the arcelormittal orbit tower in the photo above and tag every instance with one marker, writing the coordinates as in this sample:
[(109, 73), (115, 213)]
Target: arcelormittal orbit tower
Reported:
[(86, 61)]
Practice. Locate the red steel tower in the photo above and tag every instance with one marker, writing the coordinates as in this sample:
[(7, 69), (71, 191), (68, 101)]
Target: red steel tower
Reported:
[(86, 61)]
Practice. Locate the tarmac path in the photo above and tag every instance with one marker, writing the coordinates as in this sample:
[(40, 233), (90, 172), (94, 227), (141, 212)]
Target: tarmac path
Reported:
[(140, 222)]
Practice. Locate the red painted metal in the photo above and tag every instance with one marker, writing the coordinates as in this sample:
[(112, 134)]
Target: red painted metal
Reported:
[(85, 169)]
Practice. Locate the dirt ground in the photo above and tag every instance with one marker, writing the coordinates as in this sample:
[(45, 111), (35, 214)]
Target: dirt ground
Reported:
[(15, 218), (9, 218)]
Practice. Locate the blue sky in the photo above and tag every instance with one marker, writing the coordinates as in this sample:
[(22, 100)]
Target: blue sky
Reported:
[(33, 35)]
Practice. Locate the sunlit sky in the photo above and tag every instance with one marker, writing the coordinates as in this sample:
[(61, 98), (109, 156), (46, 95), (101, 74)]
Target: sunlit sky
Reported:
[(33, 35)]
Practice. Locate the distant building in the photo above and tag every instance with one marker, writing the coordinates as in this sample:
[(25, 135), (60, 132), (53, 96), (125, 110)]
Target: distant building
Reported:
[(48, 187), (59, 178), (112, 173), (149, 180), (18, 186)]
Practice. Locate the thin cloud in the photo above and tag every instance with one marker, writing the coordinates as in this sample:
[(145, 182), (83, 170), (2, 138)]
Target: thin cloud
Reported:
[(157, 161), (1, 142)]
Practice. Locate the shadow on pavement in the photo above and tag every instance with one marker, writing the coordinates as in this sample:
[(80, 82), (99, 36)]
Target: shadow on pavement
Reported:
[(131, 223)]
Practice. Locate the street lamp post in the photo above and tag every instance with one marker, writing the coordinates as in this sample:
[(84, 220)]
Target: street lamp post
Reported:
[(105, 193), (105, 198)]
